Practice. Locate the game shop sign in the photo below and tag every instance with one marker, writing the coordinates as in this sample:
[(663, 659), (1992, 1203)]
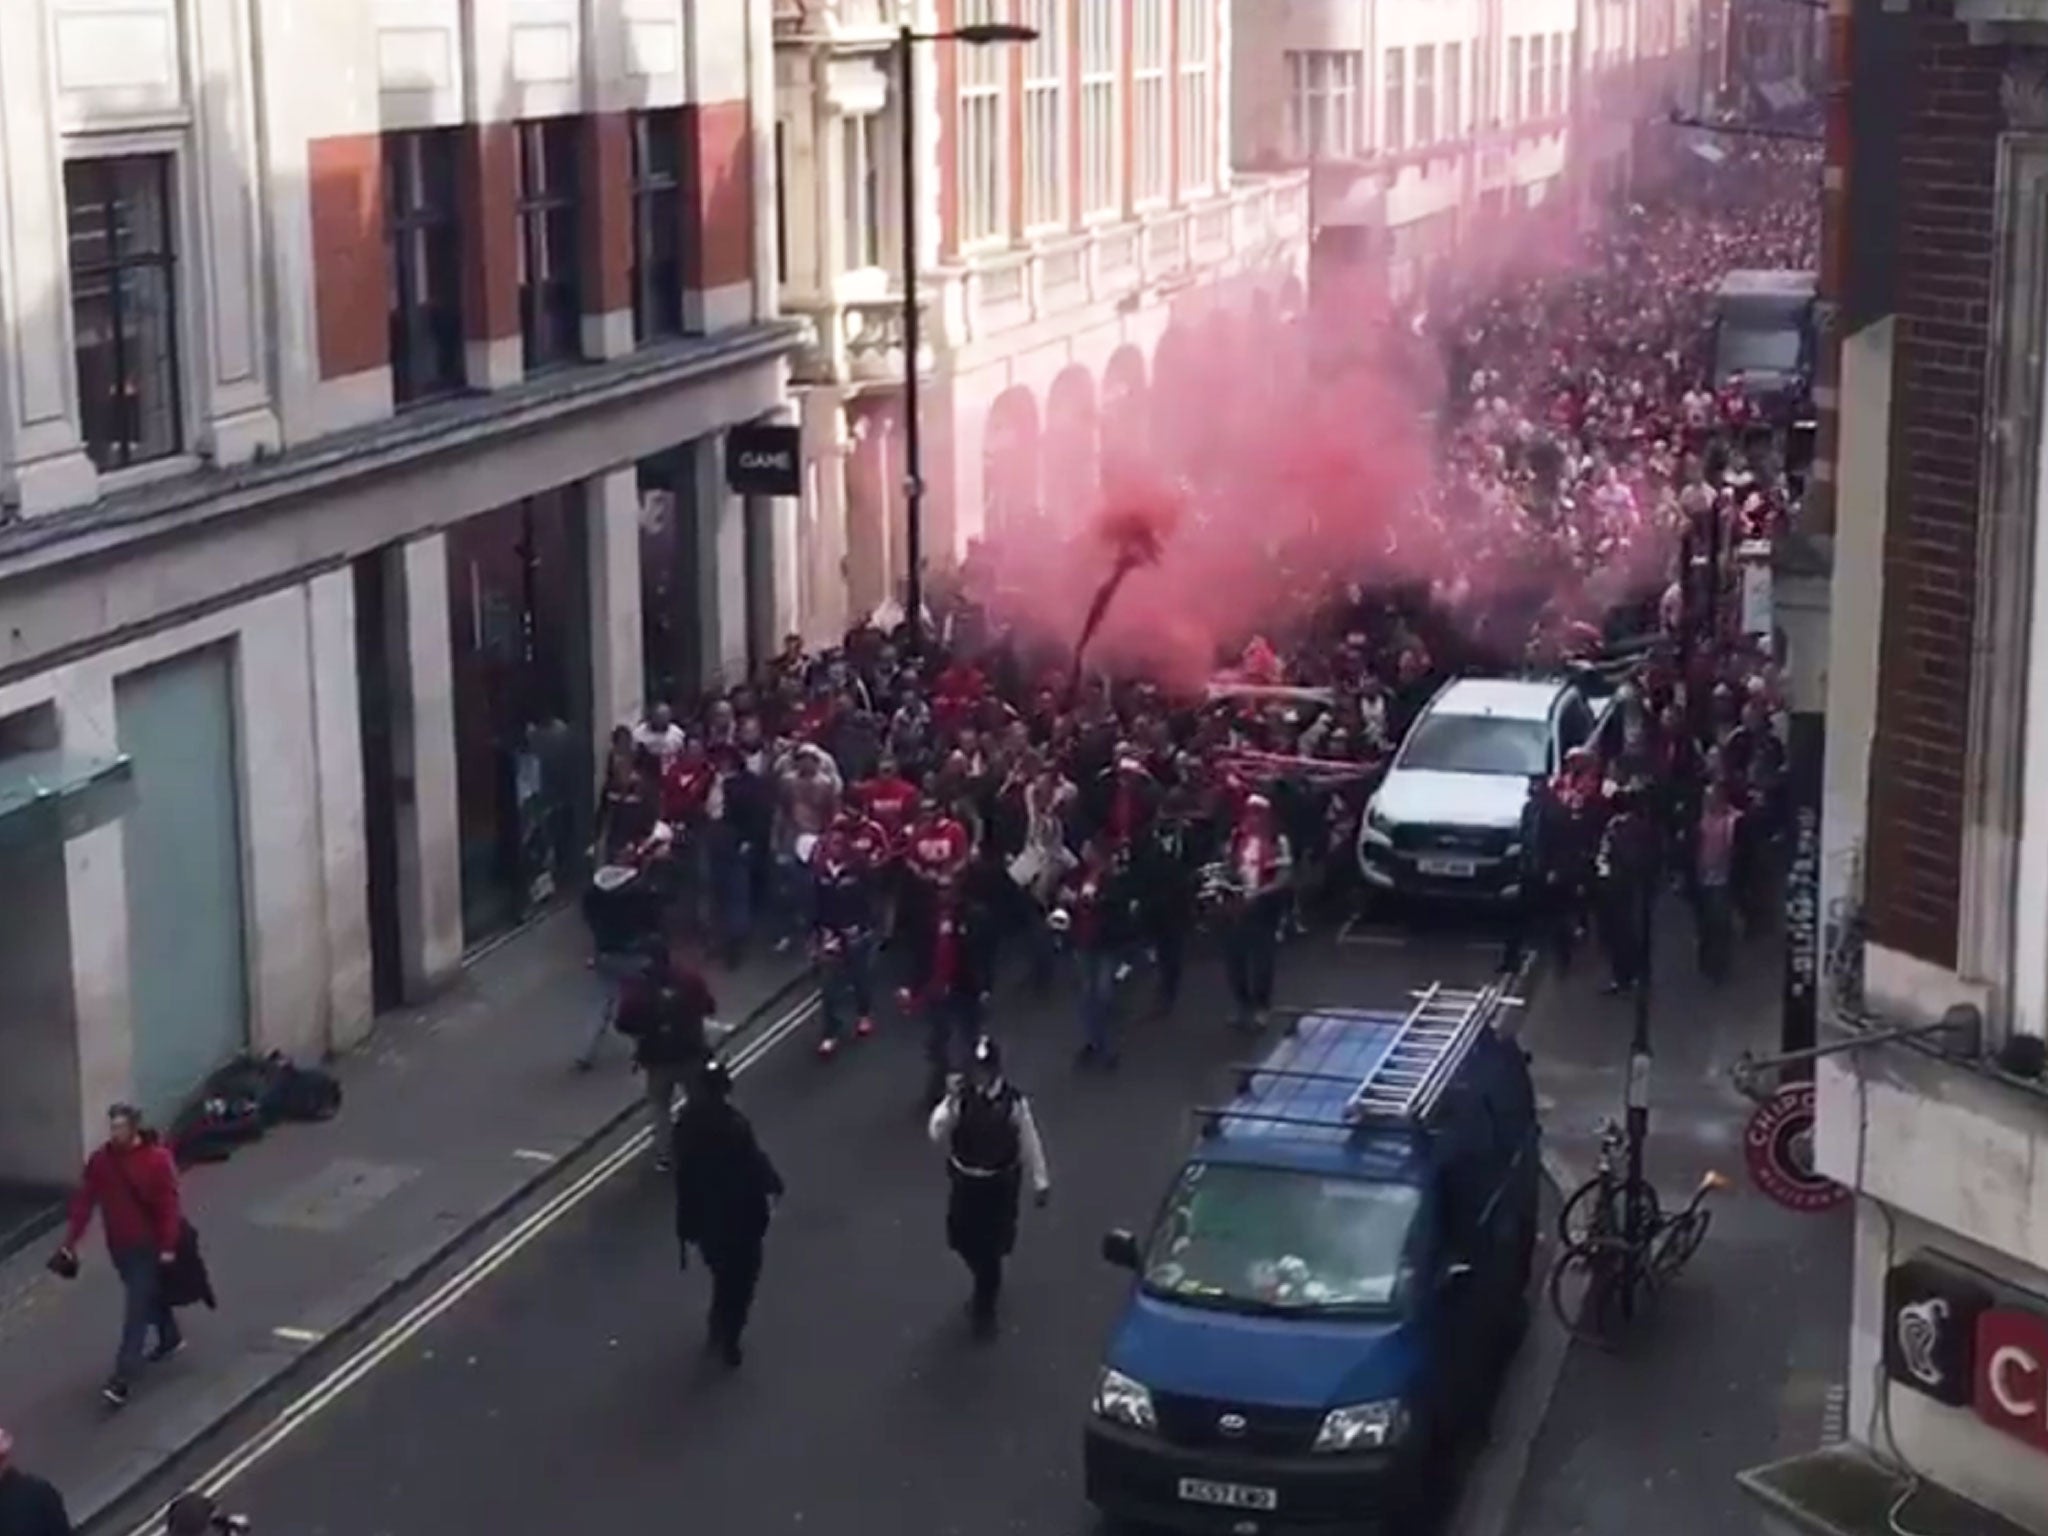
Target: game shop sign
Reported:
[(1966, 1340)]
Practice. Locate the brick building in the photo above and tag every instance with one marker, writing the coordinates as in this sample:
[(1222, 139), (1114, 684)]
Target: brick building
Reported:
[(367, 366), (1934, 868), (1079, 220)]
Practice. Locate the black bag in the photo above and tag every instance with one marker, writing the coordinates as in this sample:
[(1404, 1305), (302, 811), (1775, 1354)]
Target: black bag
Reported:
[(212, 1129), (183, 1281), (301, 1093), (985, 1138)]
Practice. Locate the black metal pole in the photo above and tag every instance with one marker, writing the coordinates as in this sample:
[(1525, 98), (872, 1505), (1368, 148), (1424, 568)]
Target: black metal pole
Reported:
[(913, 442), (1638, 1099)]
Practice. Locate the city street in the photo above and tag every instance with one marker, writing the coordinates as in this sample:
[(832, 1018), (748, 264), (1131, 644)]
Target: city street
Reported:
[(569, 1391)]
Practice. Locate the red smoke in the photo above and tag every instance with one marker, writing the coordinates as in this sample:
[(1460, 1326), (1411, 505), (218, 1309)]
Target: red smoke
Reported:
[(1265, 471)]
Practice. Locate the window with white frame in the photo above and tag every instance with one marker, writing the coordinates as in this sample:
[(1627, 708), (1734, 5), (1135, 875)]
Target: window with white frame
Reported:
[(1197, 96), (1101, 138), (1045, 114), (1558, 46), (1454, 90), (1395, 134), (1513, 113), (862, 181), (1149, 124), (1535, 98), (1425, 94), (1322, 105), (984, 147)]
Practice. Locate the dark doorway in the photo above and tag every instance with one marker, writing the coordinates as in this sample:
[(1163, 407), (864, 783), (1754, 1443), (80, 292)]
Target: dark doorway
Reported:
[(380, 638), (671, 629), (519, 620), (758, 520)]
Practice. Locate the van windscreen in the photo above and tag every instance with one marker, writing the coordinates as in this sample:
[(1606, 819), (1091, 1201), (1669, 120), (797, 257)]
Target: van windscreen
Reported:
[(1758, 348), (1275, 1240)]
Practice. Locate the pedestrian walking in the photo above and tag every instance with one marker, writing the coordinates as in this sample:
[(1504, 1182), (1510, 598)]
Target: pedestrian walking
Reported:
[(667, 1014), (1720, 830), (992, 1143), (131, 1181), (1259, 869), (29, 1506), (726, 1189)]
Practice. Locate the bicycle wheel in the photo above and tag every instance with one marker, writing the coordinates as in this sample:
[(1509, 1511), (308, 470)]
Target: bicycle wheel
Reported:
[(1586, 1215), (1677, 1241), (1588, 1290)]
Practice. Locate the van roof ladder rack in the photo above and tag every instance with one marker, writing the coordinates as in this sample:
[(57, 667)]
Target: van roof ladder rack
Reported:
[(1408, 1081)]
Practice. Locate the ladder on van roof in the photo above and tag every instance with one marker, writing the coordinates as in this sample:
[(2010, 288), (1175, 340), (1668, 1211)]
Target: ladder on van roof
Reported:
[(1429, 1046), (1406, 1083)]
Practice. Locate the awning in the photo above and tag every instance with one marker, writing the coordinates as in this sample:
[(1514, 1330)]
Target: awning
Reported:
[(57, 795)]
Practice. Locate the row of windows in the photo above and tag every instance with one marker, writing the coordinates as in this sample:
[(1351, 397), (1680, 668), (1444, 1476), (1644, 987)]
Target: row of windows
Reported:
[(123, 237), (1423, 93), (1173, 88)]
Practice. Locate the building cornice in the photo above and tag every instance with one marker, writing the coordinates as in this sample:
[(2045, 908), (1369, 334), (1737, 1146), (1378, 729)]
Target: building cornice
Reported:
[(469, 424)]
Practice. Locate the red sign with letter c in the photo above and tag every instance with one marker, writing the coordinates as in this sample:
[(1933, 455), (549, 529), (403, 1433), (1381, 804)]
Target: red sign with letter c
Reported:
[(2011, 1373)]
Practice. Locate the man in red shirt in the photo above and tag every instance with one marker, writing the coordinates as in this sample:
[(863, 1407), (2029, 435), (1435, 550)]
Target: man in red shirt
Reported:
[(889, 799), (132, 1181)]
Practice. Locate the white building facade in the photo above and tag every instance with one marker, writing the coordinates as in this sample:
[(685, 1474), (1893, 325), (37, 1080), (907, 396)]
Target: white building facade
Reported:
[(1079, 215), (368, 368), (1424, 123)]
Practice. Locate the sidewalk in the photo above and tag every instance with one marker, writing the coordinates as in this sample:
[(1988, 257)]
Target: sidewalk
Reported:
[(1746, 1357), (452, 1115)]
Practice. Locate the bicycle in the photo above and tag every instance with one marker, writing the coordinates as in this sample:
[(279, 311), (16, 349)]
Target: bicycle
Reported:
[(1597, 1207), (1603, 1281)]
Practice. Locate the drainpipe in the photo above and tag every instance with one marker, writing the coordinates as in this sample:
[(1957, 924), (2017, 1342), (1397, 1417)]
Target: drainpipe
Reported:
[(1817, 510)]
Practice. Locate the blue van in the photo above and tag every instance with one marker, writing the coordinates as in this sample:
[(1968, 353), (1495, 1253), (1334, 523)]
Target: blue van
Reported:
[(1334, 1284)]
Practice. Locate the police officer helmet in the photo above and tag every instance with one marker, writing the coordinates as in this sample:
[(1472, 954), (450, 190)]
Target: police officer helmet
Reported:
[(714, 1079), (988, 1057)]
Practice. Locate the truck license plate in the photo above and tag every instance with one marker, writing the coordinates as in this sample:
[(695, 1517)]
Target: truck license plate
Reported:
[(1454, 869), (1195, 1490)]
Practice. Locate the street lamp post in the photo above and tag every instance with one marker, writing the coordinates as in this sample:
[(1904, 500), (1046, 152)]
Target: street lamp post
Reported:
[(907, 39)]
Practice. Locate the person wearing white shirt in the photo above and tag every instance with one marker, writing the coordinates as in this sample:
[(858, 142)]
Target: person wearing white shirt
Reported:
[(659, 734)]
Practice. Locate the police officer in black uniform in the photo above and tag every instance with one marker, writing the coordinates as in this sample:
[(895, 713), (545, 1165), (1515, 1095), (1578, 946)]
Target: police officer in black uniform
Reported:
[(992, 1145), (726, 1189)]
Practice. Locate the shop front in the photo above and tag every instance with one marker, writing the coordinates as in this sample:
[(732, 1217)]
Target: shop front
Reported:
[(519, 624)]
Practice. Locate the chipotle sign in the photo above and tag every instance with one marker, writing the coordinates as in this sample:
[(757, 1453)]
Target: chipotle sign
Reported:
[(2012, 1374), (1960, 1338)]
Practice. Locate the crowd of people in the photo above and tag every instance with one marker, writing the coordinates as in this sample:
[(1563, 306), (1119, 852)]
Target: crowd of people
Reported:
[(930, 808), (958, 801)]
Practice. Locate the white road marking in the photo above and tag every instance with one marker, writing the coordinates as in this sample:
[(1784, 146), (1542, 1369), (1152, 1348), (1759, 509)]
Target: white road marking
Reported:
[(297, 1335), (530, 1155), (321, 1396), (1379, 938)]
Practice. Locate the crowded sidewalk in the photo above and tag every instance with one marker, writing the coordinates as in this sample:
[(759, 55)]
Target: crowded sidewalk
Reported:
[(452, 1114), (1744, 1359)]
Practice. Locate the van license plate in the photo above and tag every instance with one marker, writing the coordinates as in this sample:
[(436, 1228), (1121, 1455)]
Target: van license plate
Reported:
[(1195, 1490), (1452, 869)]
